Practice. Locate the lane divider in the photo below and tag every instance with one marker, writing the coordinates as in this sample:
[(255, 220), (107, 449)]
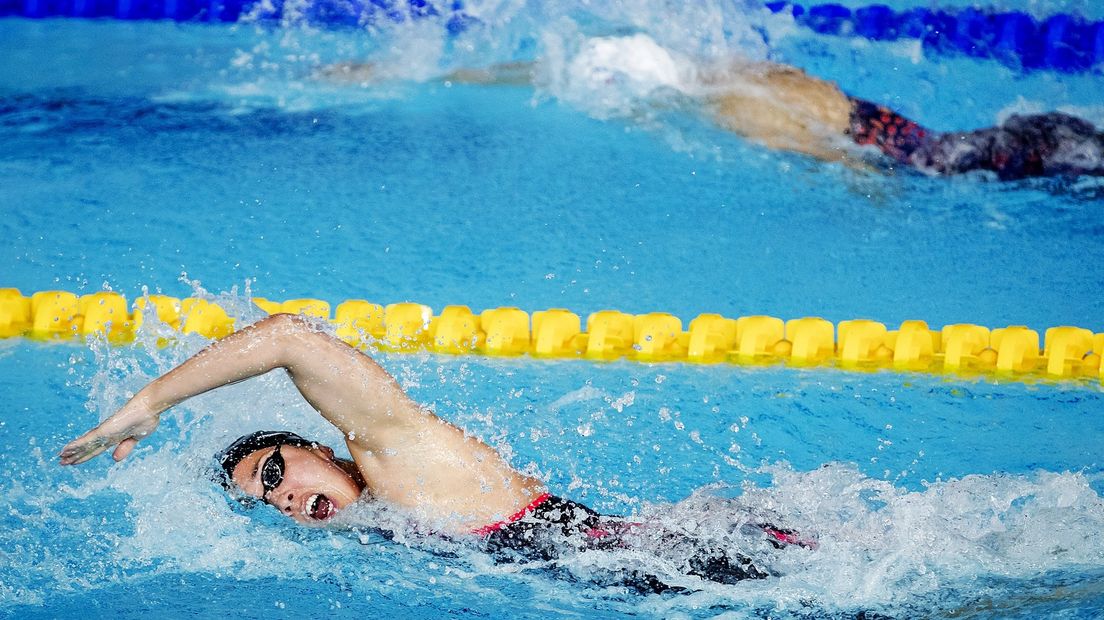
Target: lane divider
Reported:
[(1066, 42), (1014, 351)]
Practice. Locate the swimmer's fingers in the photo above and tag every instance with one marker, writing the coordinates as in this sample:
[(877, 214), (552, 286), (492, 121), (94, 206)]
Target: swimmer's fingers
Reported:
[(124, 448), (82, 448)]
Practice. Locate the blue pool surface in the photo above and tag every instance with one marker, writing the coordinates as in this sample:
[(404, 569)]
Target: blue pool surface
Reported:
[(194, 159)]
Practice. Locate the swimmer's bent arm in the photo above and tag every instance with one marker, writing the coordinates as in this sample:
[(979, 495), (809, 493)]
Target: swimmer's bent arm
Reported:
[(405, 453), (344, 385)]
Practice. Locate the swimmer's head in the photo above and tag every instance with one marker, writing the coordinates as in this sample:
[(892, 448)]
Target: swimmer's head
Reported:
[(300, 478)]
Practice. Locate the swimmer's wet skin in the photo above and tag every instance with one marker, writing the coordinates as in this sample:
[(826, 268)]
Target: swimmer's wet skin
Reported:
[(403, 455), (783, 107)]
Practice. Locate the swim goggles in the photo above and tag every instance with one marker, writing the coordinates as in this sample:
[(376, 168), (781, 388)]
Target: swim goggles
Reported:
[(272, 473)]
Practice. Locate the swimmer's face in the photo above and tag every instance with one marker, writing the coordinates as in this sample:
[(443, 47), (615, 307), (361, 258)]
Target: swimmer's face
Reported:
[(306, 484)]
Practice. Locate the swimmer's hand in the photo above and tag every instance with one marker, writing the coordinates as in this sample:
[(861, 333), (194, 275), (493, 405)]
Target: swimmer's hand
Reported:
[(123, 430)]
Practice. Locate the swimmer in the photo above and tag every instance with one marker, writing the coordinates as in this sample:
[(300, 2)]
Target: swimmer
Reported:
[(784, 108), (403, 455)]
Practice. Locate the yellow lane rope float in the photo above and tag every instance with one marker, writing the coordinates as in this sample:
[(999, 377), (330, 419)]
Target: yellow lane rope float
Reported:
[(1068, 352)]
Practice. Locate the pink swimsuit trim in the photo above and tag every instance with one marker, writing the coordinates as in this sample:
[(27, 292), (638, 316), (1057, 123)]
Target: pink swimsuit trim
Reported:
[(517, 516), (788, 537)]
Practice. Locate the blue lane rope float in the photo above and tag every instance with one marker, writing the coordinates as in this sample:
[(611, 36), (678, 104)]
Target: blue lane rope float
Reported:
[(1061, 42), (1010, 352), (334, 13)]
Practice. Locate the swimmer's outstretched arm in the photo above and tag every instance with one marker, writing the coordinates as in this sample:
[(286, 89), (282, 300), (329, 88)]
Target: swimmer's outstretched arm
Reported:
[(776, 105), (364, 73), (405, 453), (347, 387)]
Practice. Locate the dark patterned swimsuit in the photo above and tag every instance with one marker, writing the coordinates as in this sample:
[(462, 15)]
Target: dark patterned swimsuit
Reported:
[(1023, 146), (552, 526)]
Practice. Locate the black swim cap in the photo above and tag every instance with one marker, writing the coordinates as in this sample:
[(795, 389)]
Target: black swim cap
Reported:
[(248, 444)]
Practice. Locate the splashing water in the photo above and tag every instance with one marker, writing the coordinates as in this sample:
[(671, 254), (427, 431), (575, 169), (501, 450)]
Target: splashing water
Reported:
[(924, 498), (612, 59), (951, 545)]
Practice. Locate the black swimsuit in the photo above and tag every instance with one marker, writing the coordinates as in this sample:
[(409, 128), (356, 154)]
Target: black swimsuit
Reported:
[(552, 526), (1023, 146)]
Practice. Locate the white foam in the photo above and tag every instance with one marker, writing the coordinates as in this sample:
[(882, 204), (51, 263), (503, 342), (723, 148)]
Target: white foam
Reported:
[(635, 63)]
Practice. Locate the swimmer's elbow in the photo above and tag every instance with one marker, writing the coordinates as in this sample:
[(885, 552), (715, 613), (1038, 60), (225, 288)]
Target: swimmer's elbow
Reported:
[(288, 334), (303, 344), (285, 322)]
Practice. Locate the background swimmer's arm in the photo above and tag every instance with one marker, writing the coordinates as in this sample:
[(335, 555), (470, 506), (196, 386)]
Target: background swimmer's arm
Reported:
[(346, 386), (512, 73), (776, 105)]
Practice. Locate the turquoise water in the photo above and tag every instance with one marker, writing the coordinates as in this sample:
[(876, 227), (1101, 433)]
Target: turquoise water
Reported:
[(193, 158)]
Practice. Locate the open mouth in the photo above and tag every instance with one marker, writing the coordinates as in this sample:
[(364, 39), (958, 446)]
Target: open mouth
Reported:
[(320, 508)]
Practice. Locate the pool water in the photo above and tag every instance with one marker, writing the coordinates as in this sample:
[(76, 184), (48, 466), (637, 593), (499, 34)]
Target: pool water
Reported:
[(207, 159)]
